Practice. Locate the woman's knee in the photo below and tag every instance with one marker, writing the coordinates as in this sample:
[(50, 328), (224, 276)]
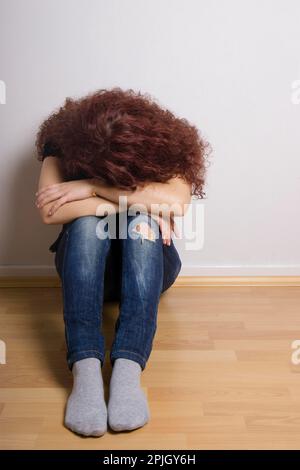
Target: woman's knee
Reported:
[(83, 232), (83, 243), (85, 225), (143, 227), (143, 249)]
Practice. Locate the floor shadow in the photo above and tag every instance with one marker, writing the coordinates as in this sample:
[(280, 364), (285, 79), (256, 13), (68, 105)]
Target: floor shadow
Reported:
[(50, 332)]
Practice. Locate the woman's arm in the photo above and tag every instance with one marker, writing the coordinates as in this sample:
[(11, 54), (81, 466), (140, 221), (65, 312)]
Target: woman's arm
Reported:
[(174, 194), (60, 202), (51, 174)]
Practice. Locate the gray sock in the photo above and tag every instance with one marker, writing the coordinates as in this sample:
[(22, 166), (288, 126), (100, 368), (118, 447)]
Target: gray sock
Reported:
[(127, 406), (86, 411)]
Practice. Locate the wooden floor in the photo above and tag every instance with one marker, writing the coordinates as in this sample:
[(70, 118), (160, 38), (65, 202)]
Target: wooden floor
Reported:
[(220, 375)]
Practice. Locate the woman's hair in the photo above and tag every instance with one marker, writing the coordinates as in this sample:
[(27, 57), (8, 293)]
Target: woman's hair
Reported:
[(124, 139)]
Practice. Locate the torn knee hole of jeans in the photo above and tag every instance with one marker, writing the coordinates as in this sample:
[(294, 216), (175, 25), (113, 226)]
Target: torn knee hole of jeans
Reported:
[(145, 231)]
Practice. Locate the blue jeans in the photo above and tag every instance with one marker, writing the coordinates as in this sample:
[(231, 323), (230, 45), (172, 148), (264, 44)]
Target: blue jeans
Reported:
[(133, 271)]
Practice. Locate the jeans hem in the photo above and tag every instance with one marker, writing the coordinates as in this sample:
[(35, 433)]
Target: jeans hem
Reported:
[(124, 354), (84, 355)]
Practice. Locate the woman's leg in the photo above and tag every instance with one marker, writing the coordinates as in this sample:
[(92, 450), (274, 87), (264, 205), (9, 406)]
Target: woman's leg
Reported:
[(80, 261), (142, 283)]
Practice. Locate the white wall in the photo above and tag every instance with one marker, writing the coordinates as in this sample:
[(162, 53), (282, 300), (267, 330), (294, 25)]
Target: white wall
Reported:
[(228, 66)]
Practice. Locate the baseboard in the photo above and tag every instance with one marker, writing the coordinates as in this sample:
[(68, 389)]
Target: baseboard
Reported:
[(181, 281), (187, 270), (231, 281), (29, 281), (238, 270)]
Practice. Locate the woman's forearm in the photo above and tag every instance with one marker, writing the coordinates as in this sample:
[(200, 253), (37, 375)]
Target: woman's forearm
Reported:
[(51, 173), (72, 210), (174, 194), (60, 202)]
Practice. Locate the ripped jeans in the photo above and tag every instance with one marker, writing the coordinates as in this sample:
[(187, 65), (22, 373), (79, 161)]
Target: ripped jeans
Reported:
[(133, 271)]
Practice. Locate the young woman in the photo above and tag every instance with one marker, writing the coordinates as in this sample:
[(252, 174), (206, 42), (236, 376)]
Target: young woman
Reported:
[(108, 145)]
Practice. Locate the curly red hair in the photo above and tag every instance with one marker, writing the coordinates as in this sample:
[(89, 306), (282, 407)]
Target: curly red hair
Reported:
[(125, 139)]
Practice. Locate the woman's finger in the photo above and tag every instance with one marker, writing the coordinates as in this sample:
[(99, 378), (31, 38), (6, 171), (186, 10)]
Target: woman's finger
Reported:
[(57, 205), (49, 197), (165, 231), (175, 228), (47, 188), (46, 194)]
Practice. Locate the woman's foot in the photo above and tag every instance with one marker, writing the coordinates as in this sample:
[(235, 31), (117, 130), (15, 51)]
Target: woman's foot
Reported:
[(86, 411), (127, 406)]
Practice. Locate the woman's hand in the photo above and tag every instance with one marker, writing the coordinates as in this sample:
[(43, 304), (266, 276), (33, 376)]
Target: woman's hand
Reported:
[(167, 226), (61, 193)]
